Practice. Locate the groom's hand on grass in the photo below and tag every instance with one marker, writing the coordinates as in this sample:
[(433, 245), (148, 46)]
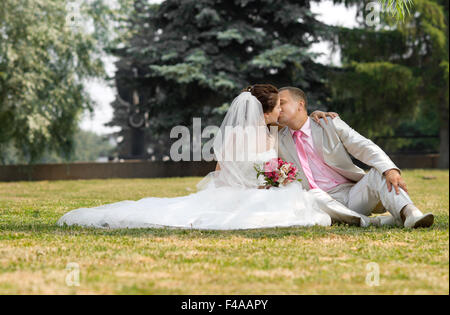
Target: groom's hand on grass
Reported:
[(393, 178)]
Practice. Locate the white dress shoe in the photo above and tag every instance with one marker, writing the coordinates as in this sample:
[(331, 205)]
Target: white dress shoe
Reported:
[(414, 222)]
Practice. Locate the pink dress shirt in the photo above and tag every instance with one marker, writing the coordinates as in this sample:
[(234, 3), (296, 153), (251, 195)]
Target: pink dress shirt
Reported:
[(318, 173)]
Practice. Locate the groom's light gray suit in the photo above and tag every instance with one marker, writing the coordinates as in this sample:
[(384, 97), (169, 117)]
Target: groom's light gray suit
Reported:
[(334, 143)]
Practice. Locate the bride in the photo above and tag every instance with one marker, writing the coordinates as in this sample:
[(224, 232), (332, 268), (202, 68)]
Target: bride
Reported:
[(232, 197)]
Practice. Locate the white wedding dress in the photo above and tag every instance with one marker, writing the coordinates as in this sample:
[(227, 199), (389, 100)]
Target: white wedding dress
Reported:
[(217, 208), (229, 198)]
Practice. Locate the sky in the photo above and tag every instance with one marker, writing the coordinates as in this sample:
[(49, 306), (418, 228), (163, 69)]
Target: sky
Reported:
[(103, 94)]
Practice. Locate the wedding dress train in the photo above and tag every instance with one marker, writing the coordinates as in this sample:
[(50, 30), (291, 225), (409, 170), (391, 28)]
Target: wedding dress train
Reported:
[(218, 208)]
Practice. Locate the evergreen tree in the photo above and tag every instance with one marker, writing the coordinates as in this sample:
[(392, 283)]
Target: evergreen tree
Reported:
[(396, 72), (189, 58)]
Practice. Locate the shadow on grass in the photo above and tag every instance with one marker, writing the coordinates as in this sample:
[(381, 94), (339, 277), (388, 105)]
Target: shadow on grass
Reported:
[(441, 225)]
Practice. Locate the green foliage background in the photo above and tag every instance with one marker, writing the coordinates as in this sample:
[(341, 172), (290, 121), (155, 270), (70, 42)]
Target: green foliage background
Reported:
[(189, 58), (394, 78), (192, 57), (43, 64)]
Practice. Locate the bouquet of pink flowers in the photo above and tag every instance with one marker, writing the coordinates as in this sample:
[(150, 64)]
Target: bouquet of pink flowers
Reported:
[(277, 172)]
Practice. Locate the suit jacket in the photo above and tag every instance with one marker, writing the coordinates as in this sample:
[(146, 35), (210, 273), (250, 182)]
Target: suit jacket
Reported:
[(335, 142)]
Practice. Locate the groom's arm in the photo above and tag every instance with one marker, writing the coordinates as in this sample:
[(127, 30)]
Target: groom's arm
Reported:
[(362, 148)]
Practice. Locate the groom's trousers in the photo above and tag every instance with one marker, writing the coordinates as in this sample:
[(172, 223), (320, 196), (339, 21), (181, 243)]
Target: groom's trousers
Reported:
[(363, 196)]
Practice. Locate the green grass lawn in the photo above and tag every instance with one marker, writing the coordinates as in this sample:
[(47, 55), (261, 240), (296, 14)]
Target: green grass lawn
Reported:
[(34, 252)]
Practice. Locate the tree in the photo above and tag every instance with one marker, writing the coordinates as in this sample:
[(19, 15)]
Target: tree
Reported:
[(397, 8), (44, 62), (88, 147), (189, 58), (394, 72)]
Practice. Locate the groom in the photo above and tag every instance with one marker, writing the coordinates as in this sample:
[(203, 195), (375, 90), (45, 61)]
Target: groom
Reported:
[(322, 155)]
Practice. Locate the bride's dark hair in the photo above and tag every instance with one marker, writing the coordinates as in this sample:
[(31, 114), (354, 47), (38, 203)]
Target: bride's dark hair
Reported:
[(266, 94)]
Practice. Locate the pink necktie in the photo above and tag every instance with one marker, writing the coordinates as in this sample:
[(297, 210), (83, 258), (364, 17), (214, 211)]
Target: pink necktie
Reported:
[(304, 159)]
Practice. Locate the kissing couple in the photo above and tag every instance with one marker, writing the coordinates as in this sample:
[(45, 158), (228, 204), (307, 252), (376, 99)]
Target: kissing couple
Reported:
[(330, 187)]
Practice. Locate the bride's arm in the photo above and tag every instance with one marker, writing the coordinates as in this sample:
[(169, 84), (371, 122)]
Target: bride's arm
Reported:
[(217, 166), (317, 115)]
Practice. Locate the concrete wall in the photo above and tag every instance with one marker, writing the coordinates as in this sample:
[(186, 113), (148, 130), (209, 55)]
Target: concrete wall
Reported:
[(128, 169), (148, 169), (416, 161)]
